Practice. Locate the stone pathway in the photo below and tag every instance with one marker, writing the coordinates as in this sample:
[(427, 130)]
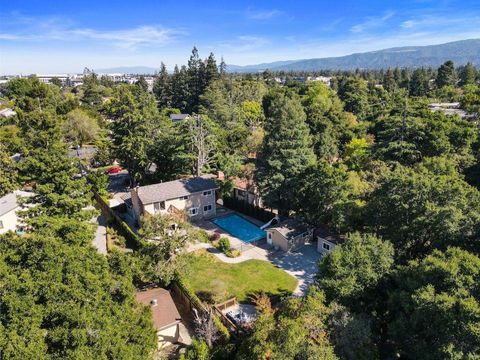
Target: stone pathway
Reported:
[(100, 239)]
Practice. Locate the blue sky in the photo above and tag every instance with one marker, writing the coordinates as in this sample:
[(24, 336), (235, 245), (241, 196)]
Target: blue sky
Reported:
[(65, 36)]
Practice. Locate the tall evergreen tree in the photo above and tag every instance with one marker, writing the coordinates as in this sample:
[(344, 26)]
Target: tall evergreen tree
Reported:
[(161, 87), (468, 75), (286, 150), (446, 74), (419, 84)]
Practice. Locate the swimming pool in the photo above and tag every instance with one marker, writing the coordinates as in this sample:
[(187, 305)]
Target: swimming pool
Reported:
[(239, 227)]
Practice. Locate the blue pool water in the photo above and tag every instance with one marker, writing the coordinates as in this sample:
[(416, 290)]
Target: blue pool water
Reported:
[(239, 227)]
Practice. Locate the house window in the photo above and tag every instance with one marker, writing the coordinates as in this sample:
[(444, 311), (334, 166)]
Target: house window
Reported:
[(1, 224), (207, 208), (193, 211), (206, 193), (269, 236), (183, 197), (326, 246), (159, 206)]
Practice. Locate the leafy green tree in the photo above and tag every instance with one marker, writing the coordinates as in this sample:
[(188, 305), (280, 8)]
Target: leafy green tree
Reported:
[(198, 350), (62, 301), (57, 191), (142, 83), (80, 128), (134, 116), (357, 153), (435, 307), (322, 194), (468, 75), (355, 268), (179, 89), (471, 99), (161, 87), (165, 238), (92, 92), (354, 93), (286, 151), (297, 331), (446, 74), (421, 209), (8, 172), (419, 83), (352, 334), (329, 125)]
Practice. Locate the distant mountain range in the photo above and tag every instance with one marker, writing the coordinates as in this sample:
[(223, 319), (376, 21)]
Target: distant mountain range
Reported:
[(460, 52)]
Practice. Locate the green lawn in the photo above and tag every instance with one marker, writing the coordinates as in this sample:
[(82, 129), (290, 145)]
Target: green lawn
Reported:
[(215, 281)]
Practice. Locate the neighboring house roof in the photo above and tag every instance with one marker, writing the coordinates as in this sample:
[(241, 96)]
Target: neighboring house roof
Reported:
[(290, 228), (7, 112), (178, 117), (328, 236), (164, 311), (243, 184), (175, 189), (9, 201)]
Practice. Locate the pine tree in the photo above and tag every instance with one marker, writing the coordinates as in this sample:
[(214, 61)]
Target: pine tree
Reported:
[(389, 82), (179, 89), (468, 75), (222, 68), (161, 87), (286, 150), (194, 75), (419, 83), (446, 74)]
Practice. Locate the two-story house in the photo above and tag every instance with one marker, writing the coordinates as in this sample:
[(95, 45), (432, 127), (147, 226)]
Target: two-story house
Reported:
[(193, 196)]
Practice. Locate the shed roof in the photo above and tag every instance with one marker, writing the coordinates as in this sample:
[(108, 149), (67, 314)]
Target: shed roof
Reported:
[(327, 235), (175, 189), (290, 228), (164, 311)]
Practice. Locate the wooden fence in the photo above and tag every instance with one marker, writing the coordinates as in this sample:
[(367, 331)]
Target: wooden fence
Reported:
[(125, 230), (248, 209)]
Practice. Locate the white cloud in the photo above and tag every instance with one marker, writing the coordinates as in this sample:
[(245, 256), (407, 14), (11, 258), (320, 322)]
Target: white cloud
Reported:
[(245, 43), (372, 22), (263, 14), (124, 38)]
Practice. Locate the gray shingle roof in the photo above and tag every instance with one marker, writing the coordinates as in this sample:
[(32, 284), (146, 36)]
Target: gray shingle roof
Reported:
[(290, 228), (9, 201), (174, 189), (178, 117)]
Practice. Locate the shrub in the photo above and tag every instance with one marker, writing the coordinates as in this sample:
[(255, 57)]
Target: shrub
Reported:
[(202, 236), (224, 244), (233, 253), (214, 236)]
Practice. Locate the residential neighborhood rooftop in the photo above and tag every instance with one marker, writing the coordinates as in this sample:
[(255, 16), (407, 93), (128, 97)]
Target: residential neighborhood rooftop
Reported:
[(178, 117), (164, 311), (327, 235), (9, 202), (174, 189), (290, 228)]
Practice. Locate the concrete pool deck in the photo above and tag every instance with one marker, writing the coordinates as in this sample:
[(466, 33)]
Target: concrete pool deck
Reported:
[(301, 264)]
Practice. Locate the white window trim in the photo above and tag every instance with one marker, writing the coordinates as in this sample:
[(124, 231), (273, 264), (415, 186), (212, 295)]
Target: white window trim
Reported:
[(326, 246), (206, 206), (183, 197), (193, 209), (207, 193)]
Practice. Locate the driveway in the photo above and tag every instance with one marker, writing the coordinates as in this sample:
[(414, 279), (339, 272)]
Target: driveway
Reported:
[(302, 264)]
